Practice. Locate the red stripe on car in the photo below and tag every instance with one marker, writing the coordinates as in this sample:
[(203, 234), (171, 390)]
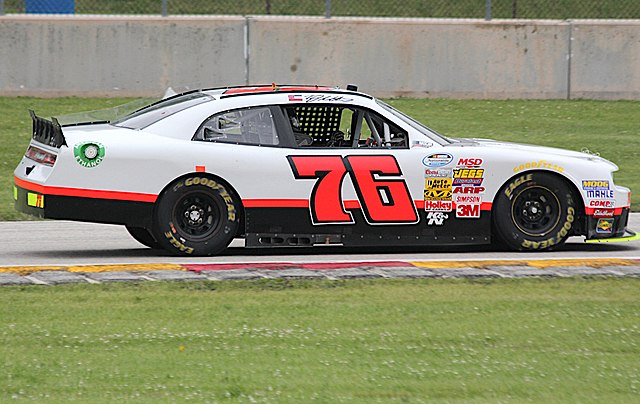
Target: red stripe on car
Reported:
[(85, 193)]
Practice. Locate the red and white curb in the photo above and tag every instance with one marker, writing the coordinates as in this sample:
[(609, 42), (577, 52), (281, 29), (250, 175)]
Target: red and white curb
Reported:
[(51, 275)]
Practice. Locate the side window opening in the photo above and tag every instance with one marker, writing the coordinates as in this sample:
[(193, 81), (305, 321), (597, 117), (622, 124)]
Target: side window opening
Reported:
[(243, 126), (338, 126)]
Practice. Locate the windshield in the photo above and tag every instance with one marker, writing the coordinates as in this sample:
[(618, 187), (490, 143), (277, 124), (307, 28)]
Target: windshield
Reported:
[(162, 109), (415, 124)]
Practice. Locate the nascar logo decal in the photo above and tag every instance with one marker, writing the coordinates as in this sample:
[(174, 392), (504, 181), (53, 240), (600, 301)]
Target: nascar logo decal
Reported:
[(89, 154)]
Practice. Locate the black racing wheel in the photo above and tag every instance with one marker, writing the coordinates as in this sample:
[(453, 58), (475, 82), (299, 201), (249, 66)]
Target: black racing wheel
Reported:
[(196, 215), (534, 211)]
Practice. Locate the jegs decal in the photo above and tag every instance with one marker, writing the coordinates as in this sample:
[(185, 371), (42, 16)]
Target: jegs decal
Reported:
[(382, 192)]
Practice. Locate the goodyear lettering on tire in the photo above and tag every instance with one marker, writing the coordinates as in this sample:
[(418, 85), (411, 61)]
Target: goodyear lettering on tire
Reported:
[(222, 191), (561, 234)]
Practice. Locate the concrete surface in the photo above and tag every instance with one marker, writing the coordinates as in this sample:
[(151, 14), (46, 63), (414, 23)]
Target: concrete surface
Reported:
[(49, 55)]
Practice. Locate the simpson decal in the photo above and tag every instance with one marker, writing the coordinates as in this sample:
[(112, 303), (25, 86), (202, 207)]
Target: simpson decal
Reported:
[(89, 154)]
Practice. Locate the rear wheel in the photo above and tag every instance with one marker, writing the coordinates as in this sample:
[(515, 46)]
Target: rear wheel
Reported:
[(197, 215), (534, 211), (143, 236)]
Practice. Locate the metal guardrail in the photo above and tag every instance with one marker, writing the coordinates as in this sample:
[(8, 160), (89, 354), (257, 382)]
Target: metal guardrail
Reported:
[(487, 9)]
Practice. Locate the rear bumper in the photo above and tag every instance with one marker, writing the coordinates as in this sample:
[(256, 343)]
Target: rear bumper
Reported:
[(37, 200)]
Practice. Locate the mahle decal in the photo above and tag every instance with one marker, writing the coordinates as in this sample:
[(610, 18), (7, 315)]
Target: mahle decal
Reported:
[(89, 154)]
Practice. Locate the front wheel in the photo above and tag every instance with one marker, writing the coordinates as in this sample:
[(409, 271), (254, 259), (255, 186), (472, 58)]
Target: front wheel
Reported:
[(534, 211), (196, 216)]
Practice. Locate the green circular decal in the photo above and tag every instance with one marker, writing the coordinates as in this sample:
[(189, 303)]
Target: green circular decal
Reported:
[(88, 154)]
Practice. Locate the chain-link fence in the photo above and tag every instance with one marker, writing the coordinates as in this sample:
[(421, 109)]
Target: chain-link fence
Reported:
[(488, 9)]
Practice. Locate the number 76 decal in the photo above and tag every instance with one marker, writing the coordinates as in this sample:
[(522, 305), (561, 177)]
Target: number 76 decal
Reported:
[(383, 194)]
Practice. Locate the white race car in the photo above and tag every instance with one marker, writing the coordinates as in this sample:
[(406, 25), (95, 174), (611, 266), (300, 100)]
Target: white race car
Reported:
[(306, 166)]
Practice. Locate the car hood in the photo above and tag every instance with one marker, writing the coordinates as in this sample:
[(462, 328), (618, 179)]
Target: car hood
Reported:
[(547, 151)]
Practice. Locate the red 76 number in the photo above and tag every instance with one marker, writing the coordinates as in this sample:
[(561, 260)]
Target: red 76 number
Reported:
[(383, 200)]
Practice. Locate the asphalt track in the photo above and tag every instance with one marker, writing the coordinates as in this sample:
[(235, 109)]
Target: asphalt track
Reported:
[(55, 252)]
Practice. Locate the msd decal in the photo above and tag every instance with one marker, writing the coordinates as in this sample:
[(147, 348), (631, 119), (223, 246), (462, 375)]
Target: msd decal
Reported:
[(471, 162), (382, 192)]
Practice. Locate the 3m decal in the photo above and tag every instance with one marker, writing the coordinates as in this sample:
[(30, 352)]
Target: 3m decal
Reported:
[(437, 160), (89, 154), (383, 195), (468, 211), (604, 226), (436, 218)]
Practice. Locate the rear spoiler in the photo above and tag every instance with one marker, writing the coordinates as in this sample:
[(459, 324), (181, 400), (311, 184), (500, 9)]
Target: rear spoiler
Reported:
[(47, 132)]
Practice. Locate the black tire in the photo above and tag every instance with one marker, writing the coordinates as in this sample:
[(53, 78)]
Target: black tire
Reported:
[(534, 211), (196, 216), (144, 237)]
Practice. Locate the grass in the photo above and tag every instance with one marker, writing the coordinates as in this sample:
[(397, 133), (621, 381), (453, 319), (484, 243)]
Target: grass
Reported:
[(540, 340), (559, 9), (605, 127)]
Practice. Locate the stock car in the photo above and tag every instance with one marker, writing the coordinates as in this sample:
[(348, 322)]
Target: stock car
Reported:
[(310, 166)]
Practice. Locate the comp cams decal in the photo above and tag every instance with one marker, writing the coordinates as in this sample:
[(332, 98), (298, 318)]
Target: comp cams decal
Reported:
[(382, 192), (89, 154)]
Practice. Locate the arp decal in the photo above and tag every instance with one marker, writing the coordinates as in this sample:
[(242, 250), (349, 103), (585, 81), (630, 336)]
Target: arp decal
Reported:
[(383, 194), (437, 160), (89, 154)]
